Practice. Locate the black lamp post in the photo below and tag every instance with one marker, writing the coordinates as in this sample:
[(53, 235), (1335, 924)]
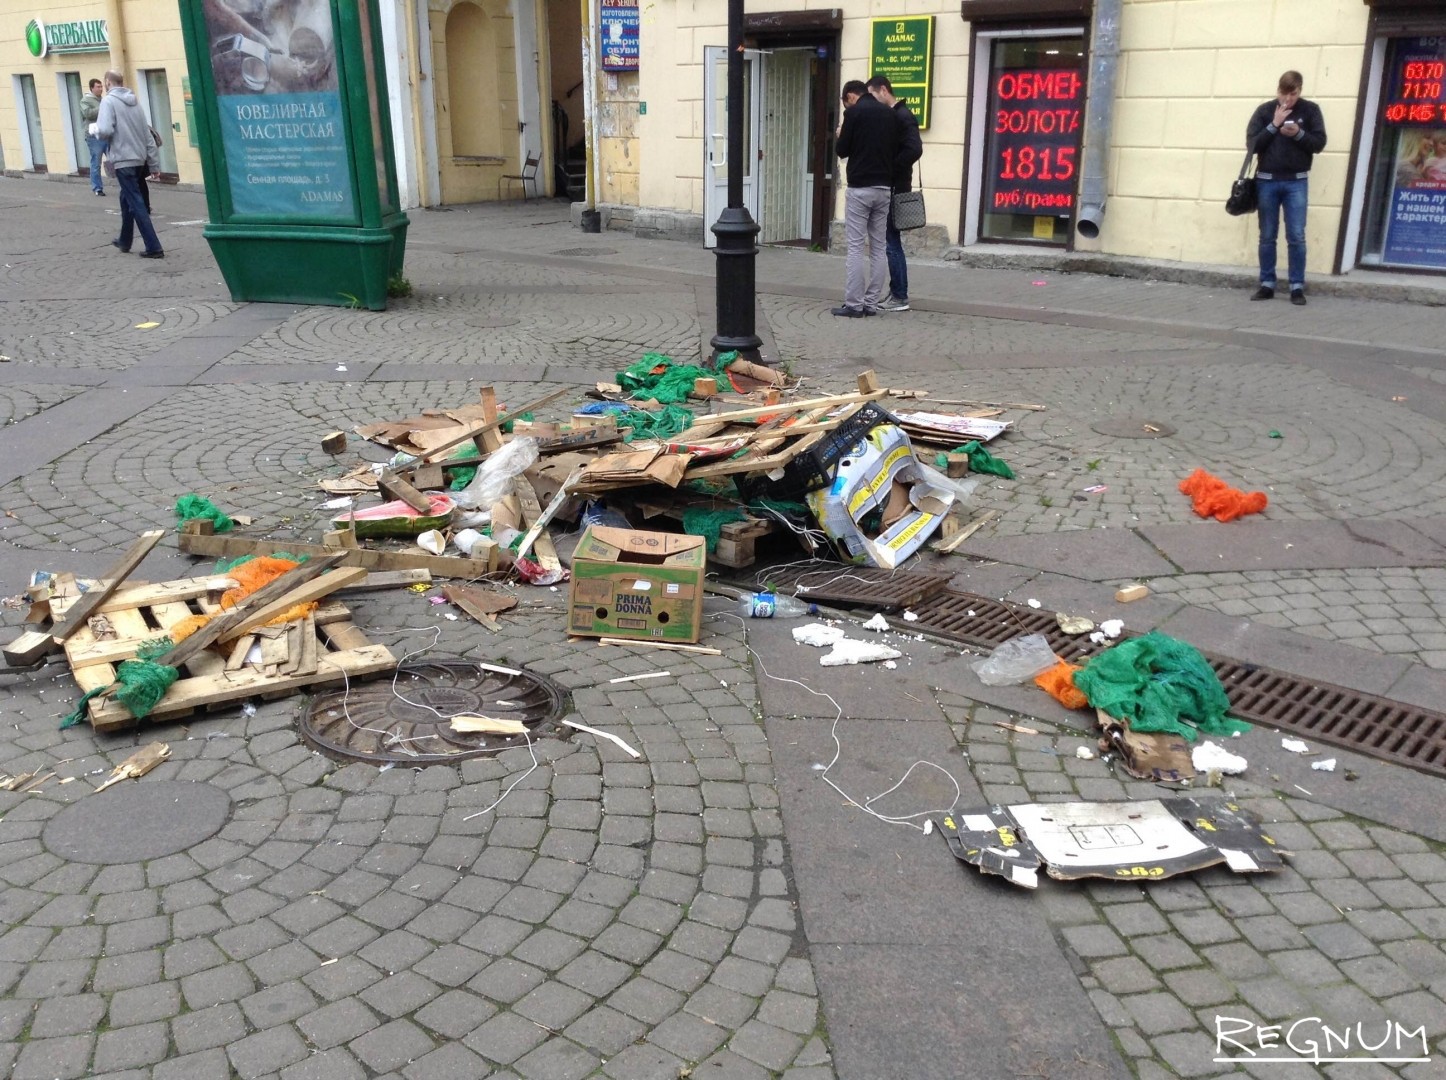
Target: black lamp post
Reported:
[(736, 230)]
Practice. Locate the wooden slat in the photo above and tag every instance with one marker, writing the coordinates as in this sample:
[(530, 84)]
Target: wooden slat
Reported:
[(531, 516), (111, 580), (442, 566), (439, 453), (187, 695), (150, 595), (793, 406), (318, 587)]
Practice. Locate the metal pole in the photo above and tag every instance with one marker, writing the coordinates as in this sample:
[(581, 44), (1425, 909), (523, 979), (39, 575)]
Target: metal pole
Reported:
[(736, 230)]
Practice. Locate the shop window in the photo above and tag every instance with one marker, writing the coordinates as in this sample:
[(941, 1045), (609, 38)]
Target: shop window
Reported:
[(1034, 126), (1405, 219), (70, 92), (158, 107)]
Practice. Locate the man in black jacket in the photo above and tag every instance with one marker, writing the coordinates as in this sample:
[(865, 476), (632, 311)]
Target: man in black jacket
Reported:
[(911, 149), (1286, 133), (868, 139)]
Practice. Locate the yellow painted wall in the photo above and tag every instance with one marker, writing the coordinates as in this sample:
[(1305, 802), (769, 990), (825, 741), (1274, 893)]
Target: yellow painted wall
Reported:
[(152, 38), (1191, 72)]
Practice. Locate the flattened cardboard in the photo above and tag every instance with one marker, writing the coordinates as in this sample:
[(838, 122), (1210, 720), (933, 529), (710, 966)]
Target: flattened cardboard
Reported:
[(1155, 755), (866, 478), (629, 583), (1141, 841)]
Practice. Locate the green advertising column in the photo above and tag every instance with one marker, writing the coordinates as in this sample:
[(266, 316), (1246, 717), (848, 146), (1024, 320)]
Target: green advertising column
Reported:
[(296, 148)]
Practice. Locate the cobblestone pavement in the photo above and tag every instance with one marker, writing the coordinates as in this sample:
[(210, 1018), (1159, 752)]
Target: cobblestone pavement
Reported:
[(648, 918)]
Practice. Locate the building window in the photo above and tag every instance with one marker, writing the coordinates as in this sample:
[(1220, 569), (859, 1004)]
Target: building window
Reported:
[(32, 138), (1033, 128), (1405, 211)]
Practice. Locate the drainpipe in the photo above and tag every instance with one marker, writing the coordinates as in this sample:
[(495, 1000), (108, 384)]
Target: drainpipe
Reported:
[(1099, 115), (591, 217), (115, 32)]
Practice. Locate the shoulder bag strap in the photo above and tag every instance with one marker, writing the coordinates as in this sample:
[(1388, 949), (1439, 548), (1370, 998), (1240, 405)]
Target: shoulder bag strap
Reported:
[(1245, 165)]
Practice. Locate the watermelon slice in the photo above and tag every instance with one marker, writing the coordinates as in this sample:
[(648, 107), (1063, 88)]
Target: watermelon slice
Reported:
[(398, 519)]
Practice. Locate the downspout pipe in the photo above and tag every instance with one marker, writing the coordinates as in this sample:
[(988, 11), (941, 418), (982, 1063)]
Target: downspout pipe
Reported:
[(115, 32), (1099, 116)]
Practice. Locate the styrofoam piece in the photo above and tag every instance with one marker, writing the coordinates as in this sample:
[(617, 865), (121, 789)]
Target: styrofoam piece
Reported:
[(849, 651), (818, 634), (878, 622), (1207, 756)]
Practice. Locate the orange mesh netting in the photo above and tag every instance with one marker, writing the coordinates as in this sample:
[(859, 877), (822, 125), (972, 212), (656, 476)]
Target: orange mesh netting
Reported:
[(249, 576), (1058, 682), (1213, 497)]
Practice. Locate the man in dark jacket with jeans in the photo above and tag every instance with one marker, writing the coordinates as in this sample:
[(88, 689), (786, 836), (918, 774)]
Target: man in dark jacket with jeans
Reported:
[(1286, 133), (911, 149), (869, 140)]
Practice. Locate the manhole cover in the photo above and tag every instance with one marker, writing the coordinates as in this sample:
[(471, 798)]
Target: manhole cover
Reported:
[(136, 821), (407, 719), (585, 251), (1129, 427)]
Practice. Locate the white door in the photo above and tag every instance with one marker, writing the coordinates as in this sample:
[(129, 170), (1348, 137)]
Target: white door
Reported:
[(715, 135)]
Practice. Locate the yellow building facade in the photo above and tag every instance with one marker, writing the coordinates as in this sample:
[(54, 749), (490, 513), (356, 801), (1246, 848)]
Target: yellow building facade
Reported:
[(1107, 126)]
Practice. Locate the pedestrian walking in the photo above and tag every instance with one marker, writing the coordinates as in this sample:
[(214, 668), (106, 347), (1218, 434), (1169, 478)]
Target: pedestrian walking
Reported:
[(868, 139), (135, 155), (89, 112), (911, 149), (1285, 133)]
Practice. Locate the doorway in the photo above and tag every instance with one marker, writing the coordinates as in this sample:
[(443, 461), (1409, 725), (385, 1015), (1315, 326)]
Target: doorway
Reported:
[(788, 134), (32, 138), (158, 108), (70, 94)]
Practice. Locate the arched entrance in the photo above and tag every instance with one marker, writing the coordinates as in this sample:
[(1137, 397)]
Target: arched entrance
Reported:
[(474, 57)]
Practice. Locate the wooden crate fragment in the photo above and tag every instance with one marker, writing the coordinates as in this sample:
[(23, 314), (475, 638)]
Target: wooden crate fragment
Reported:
[(324, 648)]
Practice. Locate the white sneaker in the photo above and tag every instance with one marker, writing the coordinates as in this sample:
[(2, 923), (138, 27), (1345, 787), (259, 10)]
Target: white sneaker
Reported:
[(891, 304)]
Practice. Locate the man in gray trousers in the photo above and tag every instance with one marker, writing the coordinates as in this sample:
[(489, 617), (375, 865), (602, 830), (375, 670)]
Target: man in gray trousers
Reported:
[(868, 139)]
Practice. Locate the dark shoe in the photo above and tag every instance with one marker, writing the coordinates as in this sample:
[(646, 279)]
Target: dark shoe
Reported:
[(1297, 297), (1265, 292), (153, 254), (117, 245), (848, 312), (99, 192)]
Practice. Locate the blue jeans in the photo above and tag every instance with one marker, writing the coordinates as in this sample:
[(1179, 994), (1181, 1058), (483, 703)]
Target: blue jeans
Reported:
[(134, 213), (1292, 197), (97, 146), (898, 268)]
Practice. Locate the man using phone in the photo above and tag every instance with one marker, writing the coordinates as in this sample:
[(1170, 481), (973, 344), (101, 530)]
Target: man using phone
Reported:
[(1285, 133)]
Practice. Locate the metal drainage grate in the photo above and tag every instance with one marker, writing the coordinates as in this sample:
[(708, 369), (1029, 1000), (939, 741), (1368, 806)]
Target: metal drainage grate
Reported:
[(585, 251), (408, 722), (1369, 725), (867, 586)]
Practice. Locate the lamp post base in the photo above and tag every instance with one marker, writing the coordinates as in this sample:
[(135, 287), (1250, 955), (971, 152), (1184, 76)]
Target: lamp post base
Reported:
[(737, 255)]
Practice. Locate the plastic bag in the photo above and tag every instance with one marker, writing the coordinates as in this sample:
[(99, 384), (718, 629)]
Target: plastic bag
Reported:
[(1016, 661), (494, 476)]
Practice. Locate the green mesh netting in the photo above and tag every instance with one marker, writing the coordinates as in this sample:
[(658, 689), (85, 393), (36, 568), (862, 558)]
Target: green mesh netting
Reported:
[(462, 474), (662, 379), (225, 566), (980, 460), (192, 506), (139, 684), (1158, 683), (663, 424)]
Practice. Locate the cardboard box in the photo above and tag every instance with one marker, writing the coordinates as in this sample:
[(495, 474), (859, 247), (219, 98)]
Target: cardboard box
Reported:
[(880, 472), (634, 584)]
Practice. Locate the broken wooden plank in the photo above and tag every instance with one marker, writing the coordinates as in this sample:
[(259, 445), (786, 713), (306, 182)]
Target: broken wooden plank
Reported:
[(443, 566), (532, 517), (29, 648), (482, 604), (808, 403), (322, 585), (138, 764), (945, 547), (486, 725), (438, 453), (109, 582), (393, 486)]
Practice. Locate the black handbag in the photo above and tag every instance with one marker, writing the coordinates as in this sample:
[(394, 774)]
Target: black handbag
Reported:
[(908, 208), (1243, 197)]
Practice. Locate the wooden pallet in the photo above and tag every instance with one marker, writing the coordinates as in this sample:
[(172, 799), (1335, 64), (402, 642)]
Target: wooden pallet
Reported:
[(324, 648)]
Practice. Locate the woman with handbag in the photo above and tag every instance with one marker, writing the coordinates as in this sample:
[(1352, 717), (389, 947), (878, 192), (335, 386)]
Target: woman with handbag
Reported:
[(911, 149), (1285, 133)]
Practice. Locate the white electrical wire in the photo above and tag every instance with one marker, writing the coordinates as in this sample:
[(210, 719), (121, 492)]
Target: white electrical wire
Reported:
[(867, 805)]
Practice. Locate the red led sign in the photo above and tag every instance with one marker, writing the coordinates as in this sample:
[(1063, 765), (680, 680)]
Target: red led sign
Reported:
[(1033, 145), (1414, 90)]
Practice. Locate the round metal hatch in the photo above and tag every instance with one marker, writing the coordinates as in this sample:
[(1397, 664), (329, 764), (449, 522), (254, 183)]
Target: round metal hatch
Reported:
[(406, 720)]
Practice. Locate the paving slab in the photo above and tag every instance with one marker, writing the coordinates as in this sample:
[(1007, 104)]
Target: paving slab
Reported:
[(1210, 547), (1092, 554)]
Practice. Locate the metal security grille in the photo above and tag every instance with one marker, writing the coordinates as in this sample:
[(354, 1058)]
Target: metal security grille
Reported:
[(865, 586)]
